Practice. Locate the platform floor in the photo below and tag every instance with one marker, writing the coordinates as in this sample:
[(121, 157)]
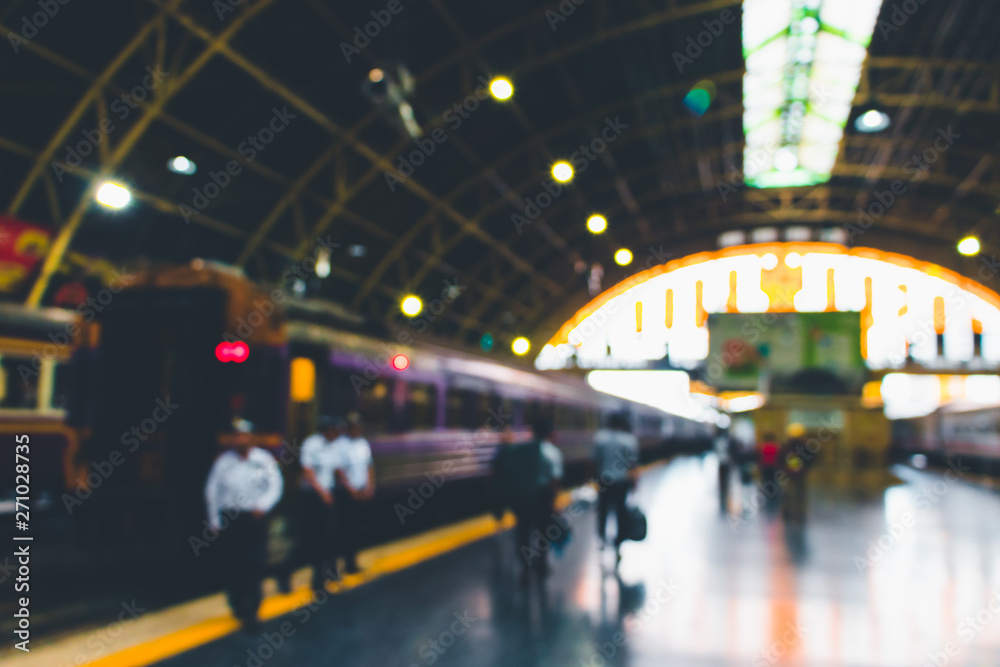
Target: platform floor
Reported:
[(704, 589)]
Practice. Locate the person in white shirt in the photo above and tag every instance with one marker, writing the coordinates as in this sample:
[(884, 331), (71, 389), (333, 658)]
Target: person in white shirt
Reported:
[(616, 453), (355, 486), (243, 485), (320, 459)]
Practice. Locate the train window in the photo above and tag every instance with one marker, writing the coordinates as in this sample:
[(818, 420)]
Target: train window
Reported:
[(532, 411), (337, 395), (519, 418), (375, 407), (421, 407), (19, 382), (482, 404), (456, 408), (563, 420)]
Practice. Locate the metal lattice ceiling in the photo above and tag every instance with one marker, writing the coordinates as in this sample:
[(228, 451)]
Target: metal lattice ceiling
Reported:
[(230, 66)]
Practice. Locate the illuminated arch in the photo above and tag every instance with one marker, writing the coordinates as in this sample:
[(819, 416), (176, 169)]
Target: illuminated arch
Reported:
[(904, 303)]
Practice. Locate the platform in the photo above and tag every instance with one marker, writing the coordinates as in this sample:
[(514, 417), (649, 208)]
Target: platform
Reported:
[(873, 579)]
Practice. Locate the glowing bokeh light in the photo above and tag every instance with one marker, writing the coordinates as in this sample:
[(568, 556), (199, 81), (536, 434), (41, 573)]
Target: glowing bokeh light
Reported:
[(597, 223), (520, 346), (411, 306), (113, 195), (562, 172), (623, 257), (501, 88)]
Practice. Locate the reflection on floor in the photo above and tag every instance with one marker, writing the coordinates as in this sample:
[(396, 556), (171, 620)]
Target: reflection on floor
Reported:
[(909, 577)]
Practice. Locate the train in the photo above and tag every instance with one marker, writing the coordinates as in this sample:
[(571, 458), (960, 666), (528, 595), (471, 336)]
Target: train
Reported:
[(128, 404), (947, 435)]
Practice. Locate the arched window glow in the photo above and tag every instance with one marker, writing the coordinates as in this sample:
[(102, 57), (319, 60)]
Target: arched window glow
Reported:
[(895, 295)]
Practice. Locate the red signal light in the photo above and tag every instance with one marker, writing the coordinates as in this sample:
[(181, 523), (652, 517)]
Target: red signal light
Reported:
[(400, 362), (237, 352)]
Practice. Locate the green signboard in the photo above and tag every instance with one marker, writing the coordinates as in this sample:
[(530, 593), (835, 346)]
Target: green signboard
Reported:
[(785, 352)]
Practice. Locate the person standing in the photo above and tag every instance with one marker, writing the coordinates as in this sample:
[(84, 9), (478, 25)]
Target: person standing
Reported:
[(320, 459), (354, 488), (616, 455), (243, 485), (534, 516), (723, 451)]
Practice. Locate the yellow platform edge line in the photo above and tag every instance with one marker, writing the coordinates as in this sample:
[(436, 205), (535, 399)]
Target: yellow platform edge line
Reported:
[(275, 606)]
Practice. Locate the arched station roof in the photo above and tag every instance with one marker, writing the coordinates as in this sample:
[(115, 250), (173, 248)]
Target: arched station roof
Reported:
[(229, 70)]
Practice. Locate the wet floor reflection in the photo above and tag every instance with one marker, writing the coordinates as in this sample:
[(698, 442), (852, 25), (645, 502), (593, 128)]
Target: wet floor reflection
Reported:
[(900, 577)]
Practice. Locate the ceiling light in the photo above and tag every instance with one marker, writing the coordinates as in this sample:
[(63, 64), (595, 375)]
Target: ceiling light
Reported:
[(411, 306), (520, 346), (323, 264), (623, 257), (501, 88), (113, 195), (969, 246), (872, 121), (181, 165), (785, 159), (562, 172), (597, 223), (803, 65)]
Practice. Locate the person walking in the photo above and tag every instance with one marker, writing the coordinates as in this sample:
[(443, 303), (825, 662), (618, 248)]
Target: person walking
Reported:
[(796, 461), (616, 454), (768, 458), (243, 486)]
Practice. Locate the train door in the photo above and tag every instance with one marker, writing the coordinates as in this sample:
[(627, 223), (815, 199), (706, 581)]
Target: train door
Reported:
[(157, 404)]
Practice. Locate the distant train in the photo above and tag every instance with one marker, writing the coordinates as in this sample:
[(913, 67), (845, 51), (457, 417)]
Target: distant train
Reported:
[(972, 435), (145, 407)]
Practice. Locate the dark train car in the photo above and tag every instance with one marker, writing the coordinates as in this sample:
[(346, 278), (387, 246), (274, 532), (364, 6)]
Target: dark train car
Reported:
[(972, 435), (35, 384), (158, 403)]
